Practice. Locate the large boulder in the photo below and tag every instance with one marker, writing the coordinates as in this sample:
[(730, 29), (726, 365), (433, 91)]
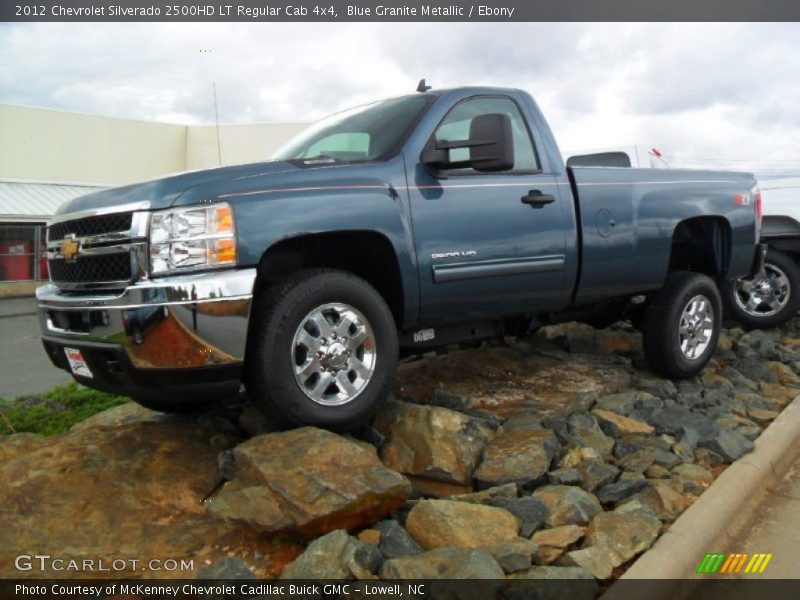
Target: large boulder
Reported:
[(440, 523), (310, 481), (18, 444), (520, 456), (432, 443), (127, 483)]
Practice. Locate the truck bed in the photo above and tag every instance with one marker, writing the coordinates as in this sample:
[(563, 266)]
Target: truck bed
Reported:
[(625, 220)]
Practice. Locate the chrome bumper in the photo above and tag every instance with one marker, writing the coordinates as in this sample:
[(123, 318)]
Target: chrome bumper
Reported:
[(193, 320)]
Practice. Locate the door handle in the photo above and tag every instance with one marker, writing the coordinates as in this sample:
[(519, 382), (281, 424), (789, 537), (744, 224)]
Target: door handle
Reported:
[(537, 199)]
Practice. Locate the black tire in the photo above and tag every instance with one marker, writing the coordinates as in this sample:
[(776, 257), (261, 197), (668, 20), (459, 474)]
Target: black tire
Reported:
[(271, 358), (660, 335), (763, 316)]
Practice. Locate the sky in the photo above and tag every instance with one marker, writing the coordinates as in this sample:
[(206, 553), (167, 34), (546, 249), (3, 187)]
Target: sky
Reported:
[(721, 95)]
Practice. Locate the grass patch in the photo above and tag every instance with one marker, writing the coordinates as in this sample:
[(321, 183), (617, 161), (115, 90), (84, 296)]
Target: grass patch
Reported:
[(56, 411)]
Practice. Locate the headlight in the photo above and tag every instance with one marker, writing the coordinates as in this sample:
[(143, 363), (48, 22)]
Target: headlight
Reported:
[(192, 238)]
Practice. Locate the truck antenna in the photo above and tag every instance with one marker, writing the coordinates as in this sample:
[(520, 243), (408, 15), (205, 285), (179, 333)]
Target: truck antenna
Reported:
[(421, 87)]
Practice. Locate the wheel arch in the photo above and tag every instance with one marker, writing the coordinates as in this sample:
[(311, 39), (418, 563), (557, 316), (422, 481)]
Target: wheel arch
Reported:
[(701, 245), (366, 253)]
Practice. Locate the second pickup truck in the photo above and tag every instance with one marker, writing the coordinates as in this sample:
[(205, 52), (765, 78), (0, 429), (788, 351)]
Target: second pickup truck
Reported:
[(403, 225)]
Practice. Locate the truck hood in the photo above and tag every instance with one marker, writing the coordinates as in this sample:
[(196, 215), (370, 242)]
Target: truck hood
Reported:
[(165, 191)]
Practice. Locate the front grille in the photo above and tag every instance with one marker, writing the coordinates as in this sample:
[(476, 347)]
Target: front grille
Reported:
[(103, 268), (91, 226)]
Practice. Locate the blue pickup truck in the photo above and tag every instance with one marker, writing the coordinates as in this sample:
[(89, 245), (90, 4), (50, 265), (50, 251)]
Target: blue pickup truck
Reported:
[(441, 217)]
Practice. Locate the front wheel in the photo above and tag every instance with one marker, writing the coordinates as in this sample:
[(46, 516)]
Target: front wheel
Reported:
[(682, 324), (323, 351), (768, 299)]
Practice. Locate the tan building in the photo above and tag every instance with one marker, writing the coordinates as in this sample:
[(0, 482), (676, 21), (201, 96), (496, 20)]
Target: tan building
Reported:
[(49, 156)]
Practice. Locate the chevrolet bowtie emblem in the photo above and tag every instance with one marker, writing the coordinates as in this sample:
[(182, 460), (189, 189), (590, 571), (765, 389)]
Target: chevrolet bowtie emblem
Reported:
[(70, 248)]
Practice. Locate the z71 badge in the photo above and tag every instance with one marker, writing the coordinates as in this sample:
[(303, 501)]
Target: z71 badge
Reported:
[(455, 254)]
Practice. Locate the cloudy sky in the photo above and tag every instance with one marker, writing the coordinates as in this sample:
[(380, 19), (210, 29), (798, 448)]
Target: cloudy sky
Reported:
[(722, 95)]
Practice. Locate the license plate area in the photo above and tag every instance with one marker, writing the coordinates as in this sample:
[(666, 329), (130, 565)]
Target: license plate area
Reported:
[(77, 363)]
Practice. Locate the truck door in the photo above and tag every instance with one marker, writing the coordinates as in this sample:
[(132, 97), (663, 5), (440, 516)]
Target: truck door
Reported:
[(487, 243)]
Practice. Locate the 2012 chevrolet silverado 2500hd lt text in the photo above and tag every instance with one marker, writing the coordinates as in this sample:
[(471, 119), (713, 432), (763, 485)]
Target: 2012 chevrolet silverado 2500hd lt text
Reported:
[(415, 222)]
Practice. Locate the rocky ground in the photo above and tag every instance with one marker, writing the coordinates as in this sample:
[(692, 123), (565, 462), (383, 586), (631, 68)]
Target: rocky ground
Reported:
[(559, 456)]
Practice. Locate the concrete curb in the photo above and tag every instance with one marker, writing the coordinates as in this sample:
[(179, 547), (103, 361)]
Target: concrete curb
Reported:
[(725, 507)]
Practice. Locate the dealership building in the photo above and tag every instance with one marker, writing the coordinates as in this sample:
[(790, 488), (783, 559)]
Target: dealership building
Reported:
[(48, 157)]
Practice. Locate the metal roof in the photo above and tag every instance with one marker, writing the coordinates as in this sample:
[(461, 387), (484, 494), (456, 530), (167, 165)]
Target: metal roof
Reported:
[(37, 201)]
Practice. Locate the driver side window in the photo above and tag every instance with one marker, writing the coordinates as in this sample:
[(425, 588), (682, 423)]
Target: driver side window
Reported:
[(456, 126)]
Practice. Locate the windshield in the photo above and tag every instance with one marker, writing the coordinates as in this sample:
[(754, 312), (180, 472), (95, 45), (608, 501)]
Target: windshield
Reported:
[(366, 133)]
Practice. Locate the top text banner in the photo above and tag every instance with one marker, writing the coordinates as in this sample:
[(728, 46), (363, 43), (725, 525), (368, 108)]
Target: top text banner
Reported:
[(391, 10)]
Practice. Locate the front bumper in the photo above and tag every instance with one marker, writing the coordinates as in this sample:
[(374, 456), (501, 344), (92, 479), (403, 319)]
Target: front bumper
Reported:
[(180, 337)]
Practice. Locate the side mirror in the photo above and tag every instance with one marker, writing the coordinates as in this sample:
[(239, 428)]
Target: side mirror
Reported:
[(490, 143)]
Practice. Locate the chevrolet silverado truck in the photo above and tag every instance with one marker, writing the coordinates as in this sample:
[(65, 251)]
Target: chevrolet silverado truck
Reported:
[(413, 223)]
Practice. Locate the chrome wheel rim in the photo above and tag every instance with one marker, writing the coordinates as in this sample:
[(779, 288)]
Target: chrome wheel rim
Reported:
[(764, 296), (333, 354), (696, 327)]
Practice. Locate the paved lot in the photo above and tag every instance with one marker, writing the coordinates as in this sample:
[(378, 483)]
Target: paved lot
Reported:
[(24, 366), (775, 529)]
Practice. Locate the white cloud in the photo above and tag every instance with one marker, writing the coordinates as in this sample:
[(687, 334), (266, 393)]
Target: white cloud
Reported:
[(723, 92)]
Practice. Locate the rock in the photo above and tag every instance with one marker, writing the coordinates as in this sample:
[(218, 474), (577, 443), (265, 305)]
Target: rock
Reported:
[(675, 420), (657, 472), (577, 455), (660, 388), (728, 444), (614, 492), (520, 456), (665, 459), (530, 512), (295, 480), (18, 444), (514, 556), (564, 477), (593, 559), (626, 532), (254, 422), (327, 557), (227, 465), (124, 414), (370, 536), (623, 403), (661, 498), (708, 458), (756, 370), (126, 483), (637, 442), (227, 568), (395, 541), (784, 374), (554, 542), (507, 490), (441, 523), (596, 474), (568, 505), (684, 451), (585, 431), (431, 442), (367, 557), (638, 461), (695, 478), (630, 476), (763, 415), (559, 573), (620, 425), (444, 563)]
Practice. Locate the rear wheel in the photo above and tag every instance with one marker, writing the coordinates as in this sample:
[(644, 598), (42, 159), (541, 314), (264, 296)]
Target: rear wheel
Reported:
[(682, 324), (768, 299), (323, 351)]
